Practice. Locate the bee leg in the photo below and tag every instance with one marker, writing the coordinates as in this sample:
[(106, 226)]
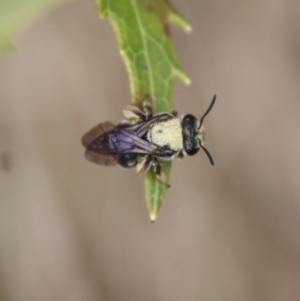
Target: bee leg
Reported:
[(147, 108), (144, 164), (150, 161), (132, 112), (159, 172)]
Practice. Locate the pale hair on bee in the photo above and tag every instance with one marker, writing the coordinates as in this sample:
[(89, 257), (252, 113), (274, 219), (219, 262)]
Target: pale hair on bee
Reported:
[(145, 140)]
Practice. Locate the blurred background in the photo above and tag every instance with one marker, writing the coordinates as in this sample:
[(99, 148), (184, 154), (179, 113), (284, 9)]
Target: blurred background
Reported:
[(71, 230)]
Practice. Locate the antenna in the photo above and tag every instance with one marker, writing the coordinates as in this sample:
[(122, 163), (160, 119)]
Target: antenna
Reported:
[(208, 110), (208, 155)]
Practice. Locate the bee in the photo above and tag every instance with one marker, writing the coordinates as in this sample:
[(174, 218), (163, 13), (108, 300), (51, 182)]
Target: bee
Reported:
[(145, 140)]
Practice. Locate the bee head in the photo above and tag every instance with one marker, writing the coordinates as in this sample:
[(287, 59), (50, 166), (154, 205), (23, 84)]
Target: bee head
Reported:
[(193, 133)]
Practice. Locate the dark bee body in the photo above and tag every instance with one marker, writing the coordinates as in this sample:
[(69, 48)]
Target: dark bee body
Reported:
[(146, 142)]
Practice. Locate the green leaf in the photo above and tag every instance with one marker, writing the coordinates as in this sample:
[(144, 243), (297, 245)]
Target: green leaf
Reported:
[(15, 14), (141, 27)]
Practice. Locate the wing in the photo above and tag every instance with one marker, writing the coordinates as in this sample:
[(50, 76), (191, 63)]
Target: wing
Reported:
[(95, 132), (92, 135), (101, 159)]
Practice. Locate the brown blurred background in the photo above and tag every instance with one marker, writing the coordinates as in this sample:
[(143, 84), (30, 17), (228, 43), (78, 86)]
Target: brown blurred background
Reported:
[(70, 230)]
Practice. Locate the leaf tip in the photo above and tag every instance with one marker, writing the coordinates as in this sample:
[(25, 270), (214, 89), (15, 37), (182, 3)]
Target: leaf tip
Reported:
[(179, 73), (187, 81), (153, 216), (182, 76), (177, 19), (188, 28)]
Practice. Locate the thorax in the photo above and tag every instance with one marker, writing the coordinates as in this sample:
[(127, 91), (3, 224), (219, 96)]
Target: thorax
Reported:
[(167, 134)]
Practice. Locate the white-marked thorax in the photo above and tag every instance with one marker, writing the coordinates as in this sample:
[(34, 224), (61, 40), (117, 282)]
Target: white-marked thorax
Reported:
[(167, 134)]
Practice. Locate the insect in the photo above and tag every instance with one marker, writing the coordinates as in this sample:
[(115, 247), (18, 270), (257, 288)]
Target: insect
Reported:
[(144, 140)]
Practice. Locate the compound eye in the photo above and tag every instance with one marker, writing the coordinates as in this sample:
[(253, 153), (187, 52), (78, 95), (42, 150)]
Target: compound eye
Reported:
[(128, 160), (193, 150), (189, 121), (190, 133)]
